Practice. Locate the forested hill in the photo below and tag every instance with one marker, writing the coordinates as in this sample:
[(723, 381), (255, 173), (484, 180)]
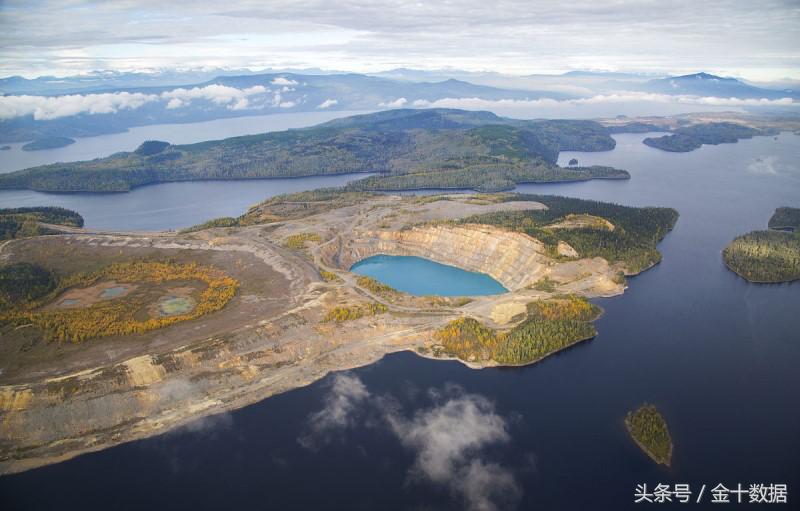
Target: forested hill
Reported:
[(391, 143), (689, 138)]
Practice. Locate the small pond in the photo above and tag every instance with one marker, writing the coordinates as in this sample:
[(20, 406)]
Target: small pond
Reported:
[(113, 292), (422, 277)]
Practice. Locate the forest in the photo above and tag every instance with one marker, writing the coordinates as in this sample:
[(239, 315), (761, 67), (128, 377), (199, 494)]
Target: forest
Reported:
[(32, 288), (550, 325), (47, 143), (785, 219), (24, 222), (632, 242), (765, 256), (690, 138), (649, 430), (489, 151)]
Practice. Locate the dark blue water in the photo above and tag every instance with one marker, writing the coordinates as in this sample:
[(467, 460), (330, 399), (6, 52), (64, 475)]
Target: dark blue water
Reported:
[(423, 277), (170, 205), (720, 358)]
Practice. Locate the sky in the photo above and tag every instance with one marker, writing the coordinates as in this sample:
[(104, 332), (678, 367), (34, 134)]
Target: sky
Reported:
[(759, 41)]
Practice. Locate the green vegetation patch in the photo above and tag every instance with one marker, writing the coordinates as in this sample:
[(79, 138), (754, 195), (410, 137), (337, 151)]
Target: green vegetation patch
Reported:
[(765, 256), (24, 222), (693, 137), (633, 241), (550, 326), (785, 219), (47, 143), (649, 430), (24, 282)]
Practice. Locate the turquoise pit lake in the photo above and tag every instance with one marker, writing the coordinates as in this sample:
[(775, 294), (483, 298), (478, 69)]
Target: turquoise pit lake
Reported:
[(423, 277)]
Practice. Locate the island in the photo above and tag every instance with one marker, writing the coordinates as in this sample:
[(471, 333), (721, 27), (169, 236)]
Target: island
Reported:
[(47, 143), (407, 149), (158, 329), (5, 148), (689, 138), (769, 256), (648, 429)]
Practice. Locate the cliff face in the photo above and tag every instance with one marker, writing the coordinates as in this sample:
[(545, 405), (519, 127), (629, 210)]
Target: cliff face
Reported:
[(513, 259)]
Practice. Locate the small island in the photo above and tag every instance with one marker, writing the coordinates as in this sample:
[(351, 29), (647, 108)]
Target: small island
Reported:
[(648, 429), (770, 256), (689, 138), (5, 148), (47, 143)]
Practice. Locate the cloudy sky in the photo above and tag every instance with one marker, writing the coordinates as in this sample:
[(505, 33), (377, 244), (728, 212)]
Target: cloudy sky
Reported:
[(755, 40)]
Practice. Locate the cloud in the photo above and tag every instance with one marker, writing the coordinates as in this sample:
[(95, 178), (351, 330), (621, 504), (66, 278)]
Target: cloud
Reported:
[(341, 405), (619, 98), (448, 440), (45, 108), (283, 81), (397, 103), (222, 95), (53, 107), (328, 103)]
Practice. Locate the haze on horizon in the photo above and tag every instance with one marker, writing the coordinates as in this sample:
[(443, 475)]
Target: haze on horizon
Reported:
[(755, 41)]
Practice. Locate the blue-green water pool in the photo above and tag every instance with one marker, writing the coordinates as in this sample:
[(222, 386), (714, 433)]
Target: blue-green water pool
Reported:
[(423, 277)]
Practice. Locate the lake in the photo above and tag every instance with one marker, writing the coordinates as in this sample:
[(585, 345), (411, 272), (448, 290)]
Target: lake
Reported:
[(423, 277), (718, 356), (170, 205)]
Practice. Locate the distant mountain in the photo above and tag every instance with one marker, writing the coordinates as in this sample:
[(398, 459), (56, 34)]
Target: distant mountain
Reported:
[(705, 84), (251, 94)]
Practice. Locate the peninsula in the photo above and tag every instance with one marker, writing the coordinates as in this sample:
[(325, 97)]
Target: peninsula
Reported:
[(768, 256), (114, 336), (437, 148)]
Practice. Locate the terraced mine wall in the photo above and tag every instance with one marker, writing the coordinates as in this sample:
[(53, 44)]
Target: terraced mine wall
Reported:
[(513, 259)]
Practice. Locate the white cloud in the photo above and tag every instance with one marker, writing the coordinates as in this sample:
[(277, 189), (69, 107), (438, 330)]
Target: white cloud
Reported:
[(233, 98), (53, 107), (280, 80), (341, 404), (327, 103), (448, 440), (397, 103), (622, 97)]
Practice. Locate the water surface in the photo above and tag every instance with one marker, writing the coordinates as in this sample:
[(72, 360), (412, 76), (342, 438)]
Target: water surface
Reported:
[(423, 277)]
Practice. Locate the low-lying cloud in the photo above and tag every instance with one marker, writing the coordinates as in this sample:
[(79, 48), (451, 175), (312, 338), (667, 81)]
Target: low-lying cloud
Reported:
[(625, 97), (449, 439), (342, 403), (45, 108)]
